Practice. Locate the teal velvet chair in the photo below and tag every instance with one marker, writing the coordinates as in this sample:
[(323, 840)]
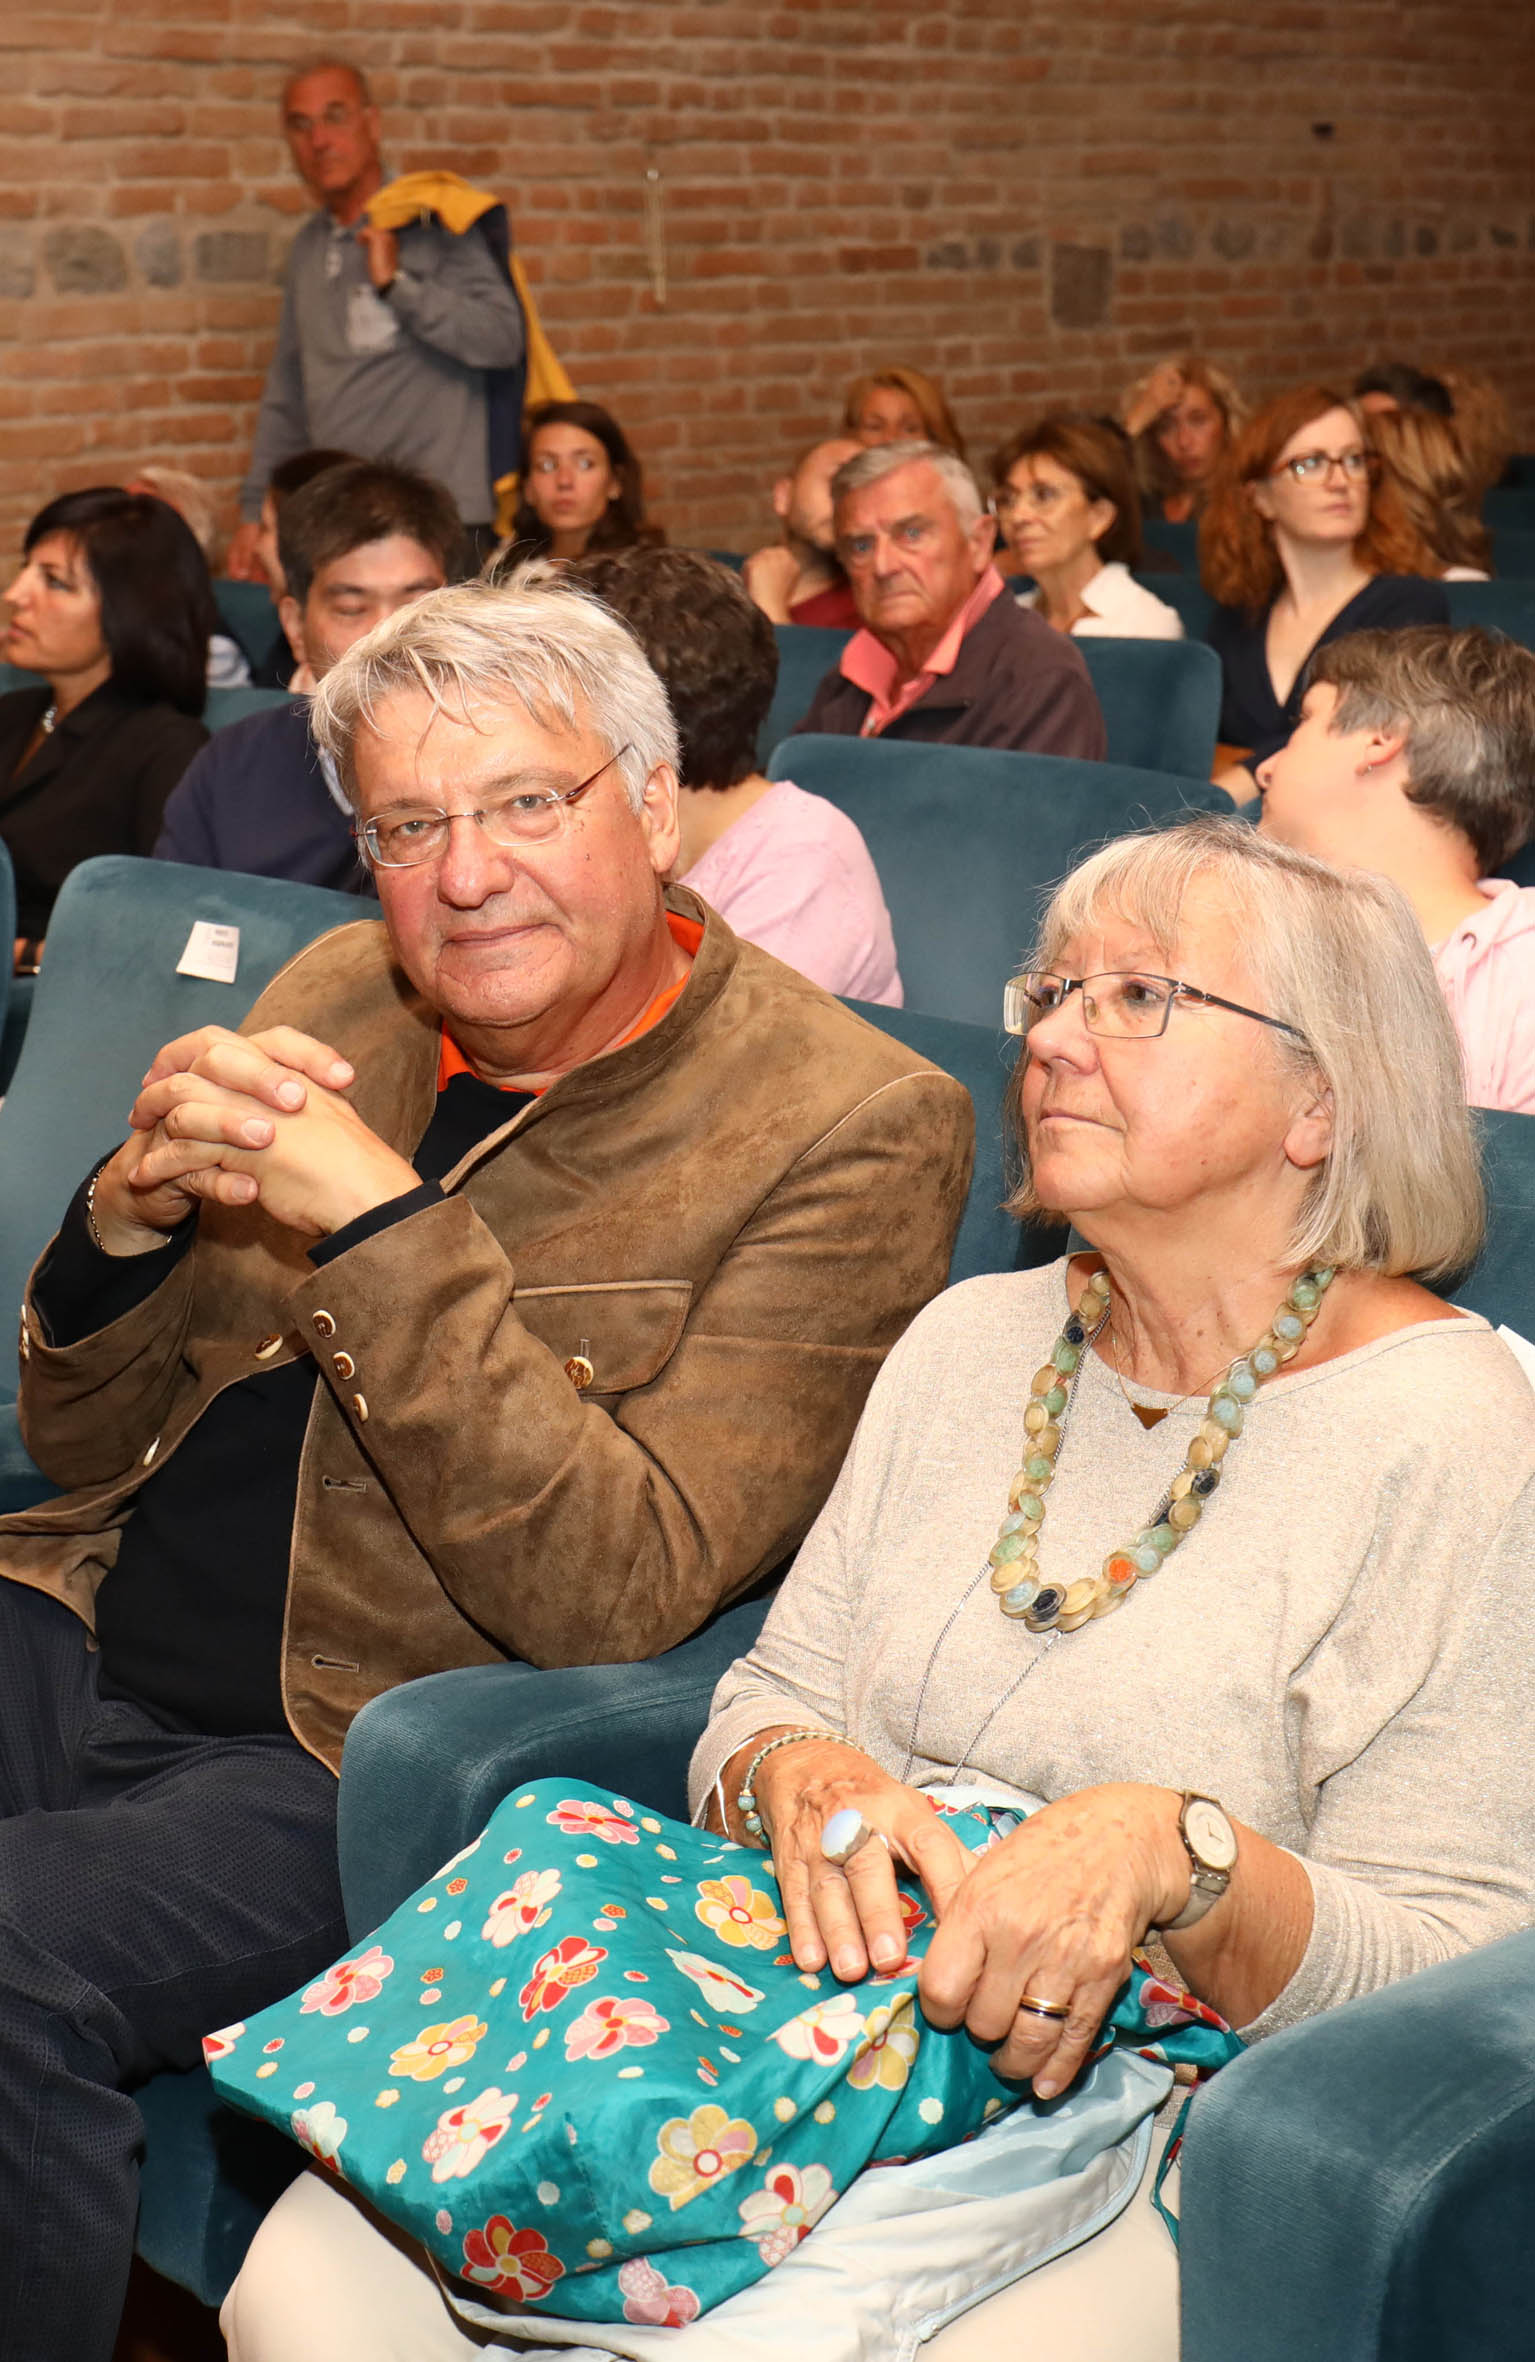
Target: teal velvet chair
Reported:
[(967, 841), (806, 654), (248, 615), (1361, 2188), (1161, 702), (106, 999), (7, 936), (1180, 543), (1498, 606), (236, 705), (1188, 595)]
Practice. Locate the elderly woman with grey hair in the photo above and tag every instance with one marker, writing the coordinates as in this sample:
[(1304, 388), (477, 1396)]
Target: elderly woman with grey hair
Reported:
[(1189, 1545), (942, 656)]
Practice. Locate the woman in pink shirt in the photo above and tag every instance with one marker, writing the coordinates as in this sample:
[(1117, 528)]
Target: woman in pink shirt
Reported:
[(787, 870), (1415, 757)]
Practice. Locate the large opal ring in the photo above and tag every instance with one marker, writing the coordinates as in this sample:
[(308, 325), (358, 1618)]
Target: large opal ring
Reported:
[(1044, 2009), (844, 1834)]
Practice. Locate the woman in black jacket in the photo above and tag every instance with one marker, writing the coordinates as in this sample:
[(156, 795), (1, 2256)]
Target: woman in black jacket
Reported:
[(113, 608)]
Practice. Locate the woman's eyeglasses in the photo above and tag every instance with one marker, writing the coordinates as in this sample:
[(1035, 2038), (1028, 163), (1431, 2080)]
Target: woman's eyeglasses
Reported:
[(1116, 1005), (1309, 467)]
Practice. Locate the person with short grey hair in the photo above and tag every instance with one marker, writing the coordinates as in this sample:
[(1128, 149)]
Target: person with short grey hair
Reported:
[(942, 656), (507, 1288), (1415, 756), (402, 334)]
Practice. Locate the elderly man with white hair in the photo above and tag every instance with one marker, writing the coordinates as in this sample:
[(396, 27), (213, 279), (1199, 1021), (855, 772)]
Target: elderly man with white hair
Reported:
[(942, 656), (508, 1288)]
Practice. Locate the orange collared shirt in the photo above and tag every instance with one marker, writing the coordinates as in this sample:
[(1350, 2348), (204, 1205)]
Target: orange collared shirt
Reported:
[(687, 934), (869, 665)]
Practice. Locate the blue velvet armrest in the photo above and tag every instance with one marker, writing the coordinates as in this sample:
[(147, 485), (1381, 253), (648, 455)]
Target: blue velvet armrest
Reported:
[(426, 1764), (1361, 2188)]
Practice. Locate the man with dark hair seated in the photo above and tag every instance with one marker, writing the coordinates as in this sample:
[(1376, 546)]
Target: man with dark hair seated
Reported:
[(279, 668), (355, 543), (943, 655), (788, 870), (510, 1288)]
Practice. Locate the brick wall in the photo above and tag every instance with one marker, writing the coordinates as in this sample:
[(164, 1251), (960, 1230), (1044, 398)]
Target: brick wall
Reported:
[(1027, 197)]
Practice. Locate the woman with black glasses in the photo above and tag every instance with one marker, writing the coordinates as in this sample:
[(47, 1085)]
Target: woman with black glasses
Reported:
[(1301, 542)]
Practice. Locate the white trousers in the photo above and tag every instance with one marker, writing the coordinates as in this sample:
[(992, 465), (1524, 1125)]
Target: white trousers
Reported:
[(328, 2281)]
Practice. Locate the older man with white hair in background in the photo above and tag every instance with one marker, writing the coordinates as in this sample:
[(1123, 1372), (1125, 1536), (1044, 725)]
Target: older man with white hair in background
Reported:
[(943, 656), (509, 1288)]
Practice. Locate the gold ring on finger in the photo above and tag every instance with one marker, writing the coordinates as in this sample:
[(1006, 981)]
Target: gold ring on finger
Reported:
[(1044, 2009)]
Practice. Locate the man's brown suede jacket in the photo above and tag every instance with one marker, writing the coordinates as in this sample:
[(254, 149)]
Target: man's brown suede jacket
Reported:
[(731, 1220)]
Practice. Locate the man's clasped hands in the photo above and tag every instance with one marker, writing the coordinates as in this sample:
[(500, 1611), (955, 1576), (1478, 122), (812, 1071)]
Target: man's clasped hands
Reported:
[(238, 1120)]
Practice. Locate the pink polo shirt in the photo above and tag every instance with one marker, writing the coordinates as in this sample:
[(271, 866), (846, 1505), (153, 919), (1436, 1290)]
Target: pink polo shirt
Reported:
[(869, 665), (1486, 967)]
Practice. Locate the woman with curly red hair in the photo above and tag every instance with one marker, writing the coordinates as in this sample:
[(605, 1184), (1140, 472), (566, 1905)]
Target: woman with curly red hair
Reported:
[(1301, 542)]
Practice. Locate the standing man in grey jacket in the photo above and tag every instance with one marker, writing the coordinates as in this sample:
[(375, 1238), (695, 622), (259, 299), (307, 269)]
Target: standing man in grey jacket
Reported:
[(387, 339)]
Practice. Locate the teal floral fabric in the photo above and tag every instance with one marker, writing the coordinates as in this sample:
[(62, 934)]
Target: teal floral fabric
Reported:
[(582, 2069)]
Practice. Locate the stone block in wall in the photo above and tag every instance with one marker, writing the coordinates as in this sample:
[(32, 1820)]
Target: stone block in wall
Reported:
[(226, 256), (1174, 238), (157, 251), (1081, 280), (1233, 240), (85, 261), (1135, 242)]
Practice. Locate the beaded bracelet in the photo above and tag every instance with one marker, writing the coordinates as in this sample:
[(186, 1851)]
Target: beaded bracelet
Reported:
[(746, 1802)]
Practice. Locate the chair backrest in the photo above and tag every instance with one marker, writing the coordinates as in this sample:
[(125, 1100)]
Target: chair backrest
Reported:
[(233, 705), (1178, 542), (1513, 552), (968, 840), (981, 1057), (806, 654), (248, 615), (12, 677), (733, 558), (1501, 1282), (1161, 702), (1188, 595), (107, 999), (1499, 606), (7, 932), (1510, 505)]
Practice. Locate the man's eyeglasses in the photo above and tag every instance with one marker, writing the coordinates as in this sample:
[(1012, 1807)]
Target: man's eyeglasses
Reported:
[(407, 838), (1116, 1005), (1308, 467)]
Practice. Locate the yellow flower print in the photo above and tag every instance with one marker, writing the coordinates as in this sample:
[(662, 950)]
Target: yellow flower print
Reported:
[(437, 2048), (739, 1913), (887, 2050), (699, 2150)]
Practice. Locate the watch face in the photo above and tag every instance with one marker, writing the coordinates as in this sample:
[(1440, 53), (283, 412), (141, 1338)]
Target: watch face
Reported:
[(1210, 1834)]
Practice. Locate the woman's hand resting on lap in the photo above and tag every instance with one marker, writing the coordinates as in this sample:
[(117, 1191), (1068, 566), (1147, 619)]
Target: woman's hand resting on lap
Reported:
[(1054, 1911), (850, 1917)]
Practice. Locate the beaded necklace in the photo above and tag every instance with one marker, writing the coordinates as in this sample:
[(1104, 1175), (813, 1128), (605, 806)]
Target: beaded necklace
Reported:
[(1013, 1566)]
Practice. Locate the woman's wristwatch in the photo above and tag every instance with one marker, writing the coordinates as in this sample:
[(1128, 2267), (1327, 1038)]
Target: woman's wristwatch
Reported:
[(1210, 1842)]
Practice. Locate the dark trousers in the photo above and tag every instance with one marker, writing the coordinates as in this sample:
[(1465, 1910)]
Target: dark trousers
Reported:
[(154, 1885)]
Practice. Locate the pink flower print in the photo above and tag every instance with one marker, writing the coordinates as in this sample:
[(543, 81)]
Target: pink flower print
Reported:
[(823, 2032), (720, 1986), (578, 1816), (569, 1963), (361, 1979), (465, 2134), (1168, 2005), (736, 1912), (219, 2045), (783, 2212), (514, 2263), (650, 2298), (606, 2026), (524, 1905)]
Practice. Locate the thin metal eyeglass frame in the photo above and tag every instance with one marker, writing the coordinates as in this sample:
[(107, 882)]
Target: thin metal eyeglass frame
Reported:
[(1013, 997), (365, 835)]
